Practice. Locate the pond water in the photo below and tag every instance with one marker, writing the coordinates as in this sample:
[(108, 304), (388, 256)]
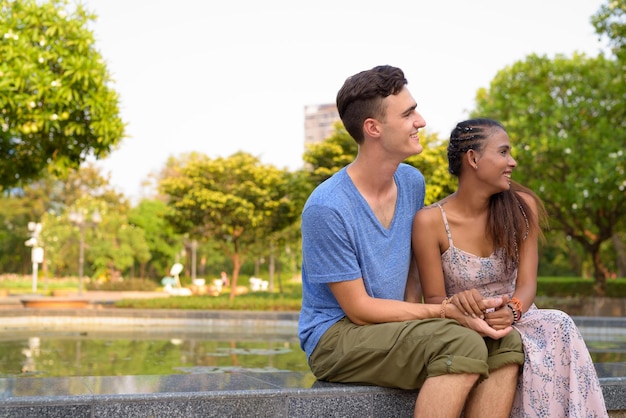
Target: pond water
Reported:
[(40, 353), (63, 354)]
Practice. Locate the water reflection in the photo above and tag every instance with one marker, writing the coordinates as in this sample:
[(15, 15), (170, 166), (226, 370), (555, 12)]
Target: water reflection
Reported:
[(115, 354), (101, 353)]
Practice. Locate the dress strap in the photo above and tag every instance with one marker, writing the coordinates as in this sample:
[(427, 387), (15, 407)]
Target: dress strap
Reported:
[(445, 222)]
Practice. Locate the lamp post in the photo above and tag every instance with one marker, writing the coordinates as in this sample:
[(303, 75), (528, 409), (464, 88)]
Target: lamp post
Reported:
[(79, 219), (37, 251)]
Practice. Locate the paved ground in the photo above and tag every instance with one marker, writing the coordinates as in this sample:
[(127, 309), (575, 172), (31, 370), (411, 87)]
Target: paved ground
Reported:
[(94, 297)]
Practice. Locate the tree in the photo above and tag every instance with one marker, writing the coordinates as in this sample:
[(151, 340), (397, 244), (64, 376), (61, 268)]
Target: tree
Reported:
[(15, 214), (56, 104), (110, 246), (329, 156), (567, 121), (610, 21), (236, 201), (162, 241), (116, 246), (433, 163)]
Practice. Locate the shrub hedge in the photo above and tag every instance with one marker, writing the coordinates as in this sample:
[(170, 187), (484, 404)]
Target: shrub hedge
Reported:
[(571, 286)]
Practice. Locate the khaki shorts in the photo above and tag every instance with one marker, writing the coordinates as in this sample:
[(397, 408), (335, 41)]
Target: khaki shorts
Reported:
[(404, 354)]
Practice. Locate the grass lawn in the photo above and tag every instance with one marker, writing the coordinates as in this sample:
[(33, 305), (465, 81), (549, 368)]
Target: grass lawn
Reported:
[(288, 300)]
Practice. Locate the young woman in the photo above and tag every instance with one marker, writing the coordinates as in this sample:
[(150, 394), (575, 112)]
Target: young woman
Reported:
[(481, 242)]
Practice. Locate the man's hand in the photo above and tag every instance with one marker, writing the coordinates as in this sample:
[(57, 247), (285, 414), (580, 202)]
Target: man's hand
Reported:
[(484, 329), (471, 303), (477, 323)]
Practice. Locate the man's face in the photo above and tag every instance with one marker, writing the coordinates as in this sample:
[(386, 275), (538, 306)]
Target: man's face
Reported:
[(401, 124)]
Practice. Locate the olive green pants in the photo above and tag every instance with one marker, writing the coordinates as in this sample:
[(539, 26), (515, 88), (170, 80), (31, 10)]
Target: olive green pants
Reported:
[(404, 354)]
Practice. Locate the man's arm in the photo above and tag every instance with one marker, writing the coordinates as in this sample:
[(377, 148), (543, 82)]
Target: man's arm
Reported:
[(363, 309)]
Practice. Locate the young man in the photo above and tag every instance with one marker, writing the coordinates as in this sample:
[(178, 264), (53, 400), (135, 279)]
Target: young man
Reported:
[(358, 321)]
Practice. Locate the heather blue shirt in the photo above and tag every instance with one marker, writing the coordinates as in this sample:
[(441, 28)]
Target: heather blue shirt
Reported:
[(343, 240)]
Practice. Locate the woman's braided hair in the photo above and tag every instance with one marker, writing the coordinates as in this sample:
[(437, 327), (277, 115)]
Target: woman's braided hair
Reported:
[(510, 217)]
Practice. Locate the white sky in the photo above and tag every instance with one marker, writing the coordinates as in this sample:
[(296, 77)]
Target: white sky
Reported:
[(218, 77)]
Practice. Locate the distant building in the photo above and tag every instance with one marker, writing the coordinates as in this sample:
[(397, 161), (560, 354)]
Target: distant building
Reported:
[(318, 122)]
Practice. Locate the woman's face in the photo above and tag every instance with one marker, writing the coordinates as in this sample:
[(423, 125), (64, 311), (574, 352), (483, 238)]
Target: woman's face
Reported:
[(494, 164)]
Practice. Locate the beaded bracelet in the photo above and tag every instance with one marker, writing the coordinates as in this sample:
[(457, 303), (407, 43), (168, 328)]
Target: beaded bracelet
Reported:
[(518, 307), (442, 312), (515, 315), (517, 304)]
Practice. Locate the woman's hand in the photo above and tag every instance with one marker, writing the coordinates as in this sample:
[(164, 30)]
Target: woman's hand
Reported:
[(470, 303), (501, 318), (480, 325)]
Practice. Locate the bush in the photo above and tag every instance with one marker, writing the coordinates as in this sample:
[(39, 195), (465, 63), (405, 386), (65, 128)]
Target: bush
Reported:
[(126, 284), (574, 286)]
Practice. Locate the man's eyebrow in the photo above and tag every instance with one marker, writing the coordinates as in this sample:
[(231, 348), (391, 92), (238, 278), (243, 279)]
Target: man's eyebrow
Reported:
[(410, 109)]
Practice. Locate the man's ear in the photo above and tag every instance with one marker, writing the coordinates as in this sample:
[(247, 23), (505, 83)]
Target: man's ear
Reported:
[(371, 127)]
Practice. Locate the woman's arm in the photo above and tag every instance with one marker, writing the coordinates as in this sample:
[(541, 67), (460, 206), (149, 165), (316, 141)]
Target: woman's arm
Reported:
[(413, 290), (526, 284), (427, 254)]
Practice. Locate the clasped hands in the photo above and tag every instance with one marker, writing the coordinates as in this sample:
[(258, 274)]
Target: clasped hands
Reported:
[(489, 317)]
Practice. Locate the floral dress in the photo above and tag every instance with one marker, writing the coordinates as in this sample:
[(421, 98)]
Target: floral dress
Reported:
[(558, 377)]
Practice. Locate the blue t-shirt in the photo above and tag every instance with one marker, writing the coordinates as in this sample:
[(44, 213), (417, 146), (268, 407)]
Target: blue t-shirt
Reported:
[(343, 240)]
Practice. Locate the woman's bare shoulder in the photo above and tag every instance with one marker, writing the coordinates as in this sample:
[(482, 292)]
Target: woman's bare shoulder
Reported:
[(428, 213), (529, 199)]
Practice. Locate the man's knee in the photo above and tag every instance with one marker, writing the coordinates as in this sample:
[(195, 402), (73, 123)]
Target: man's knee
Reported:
[(505, 351), (456, 349), (463, 341)]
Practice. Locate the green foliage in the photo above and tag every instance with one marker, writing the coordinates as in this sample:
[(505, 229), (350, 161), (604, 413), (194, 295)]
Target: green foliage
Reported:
[(110, 246), (161, 239), (15, 213), (559, 256), (338, 150), (236, 202), (115, 245), (228, 197), (576, 287), (55, 100), (610, 21), (289, 300), (20, 284), (565, 117), (433, 163), (329, 156), (248, 302), (124, 285)]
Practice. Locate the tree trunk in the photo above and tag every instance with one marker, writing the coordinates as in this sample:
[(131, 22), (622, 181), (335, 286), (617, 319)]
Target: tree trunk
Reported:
[(620, 251), (279, 278), (233, 282), (271, 268), (600, 272)]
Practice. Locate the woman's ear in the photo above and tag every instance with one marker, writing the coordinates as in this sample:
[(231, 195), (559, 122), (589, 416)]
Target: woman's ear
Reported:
[(472, 158)]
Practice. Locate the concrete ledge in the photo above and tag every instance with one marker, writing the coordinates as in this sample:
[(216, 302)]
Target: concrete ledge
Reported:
[(321, 400)]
